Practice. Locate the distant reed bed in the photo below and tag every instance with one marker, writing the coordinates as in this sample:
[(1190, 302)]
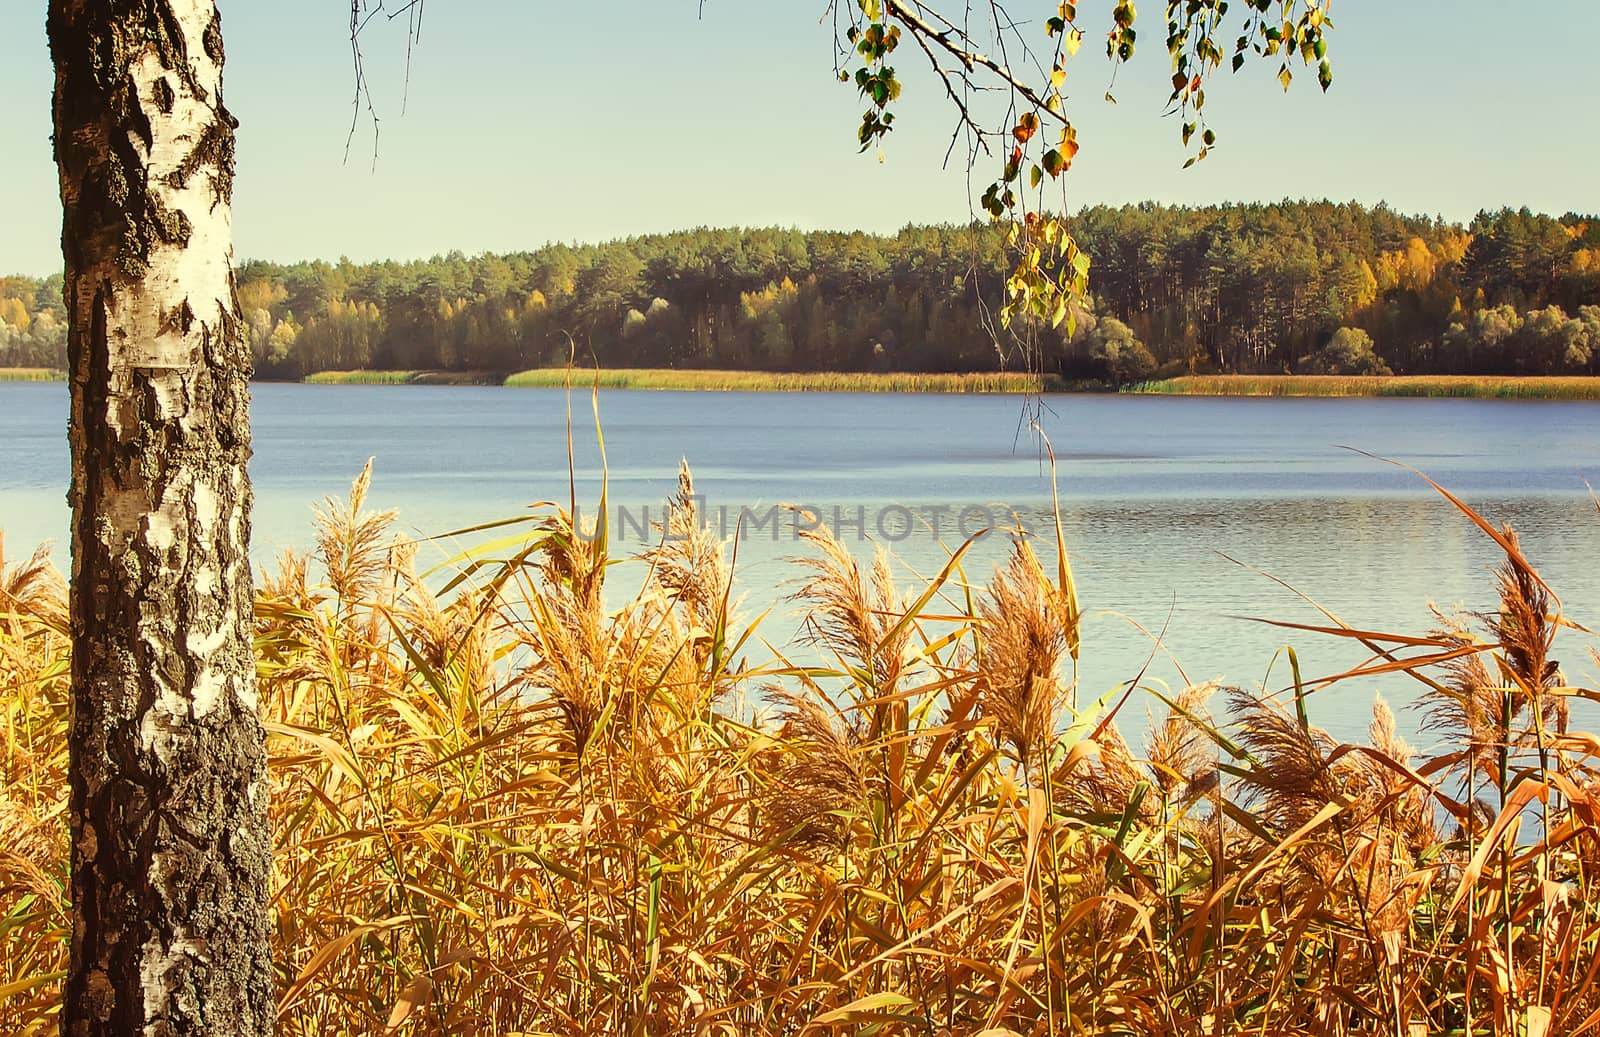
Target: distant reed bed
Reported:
[(366, 377), (360, 378), (772, 381), (1474, 386), (31, 374), (503, 808)]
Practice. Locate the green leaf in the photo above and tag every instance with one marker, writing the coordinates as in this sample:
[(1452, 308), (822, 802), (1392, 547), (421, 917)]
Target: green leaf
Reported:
[(871, 1005)]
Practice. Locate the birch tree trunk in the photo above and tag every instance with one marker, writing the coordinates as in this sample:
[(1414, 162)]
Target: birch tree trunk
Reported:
[(170, 843)]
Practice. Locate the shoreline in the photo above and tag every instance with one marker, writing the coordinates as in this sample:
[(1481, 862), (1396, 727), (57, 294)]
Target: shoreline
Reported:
[(1444, 386), (1486, 387), (1502, 387)]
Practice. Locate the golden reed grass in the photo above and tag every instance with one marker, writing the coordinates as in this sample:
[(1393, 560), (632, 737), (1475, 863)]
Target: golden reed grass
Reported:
[(377, 377), (31, 374), (800, 381), (502, 808), (1536, 387)]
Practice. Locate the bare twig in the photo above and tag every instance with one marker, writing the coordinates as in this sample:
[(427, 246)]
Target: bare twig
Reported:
[(971, 60)]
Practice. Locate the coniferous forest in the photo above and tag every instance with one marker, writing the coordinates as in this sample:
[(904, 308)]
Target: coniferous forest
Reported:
[(1293, 287)]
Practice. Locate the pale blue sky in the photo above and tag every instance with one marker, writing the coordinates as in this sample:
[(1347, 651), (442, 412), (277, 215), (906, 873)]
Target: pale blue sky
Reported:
[(535, 121)]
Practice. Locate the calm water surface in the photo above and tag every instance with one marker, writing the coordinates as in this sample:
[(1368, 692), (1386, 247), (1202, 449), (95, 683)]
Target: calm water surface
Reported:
[(1158, 494)]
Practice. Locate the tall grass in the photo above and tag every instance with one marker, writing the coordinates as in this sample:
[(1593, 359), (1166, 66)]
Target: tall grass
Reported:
[(1476, 386), (501, 807), (31, 374), (770, 381), (360, 378), (371, 377)]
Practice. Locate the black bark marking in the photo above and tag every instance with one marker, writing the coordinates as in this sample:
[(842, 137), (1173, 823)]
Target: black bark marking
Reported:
[(138, 120), (213, 152), (164, 96), (211, 39), (170, 226)]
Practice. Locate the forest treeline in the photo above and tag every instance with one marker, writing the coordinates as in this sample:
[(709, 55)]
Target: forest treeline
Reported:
[(1304, 287)]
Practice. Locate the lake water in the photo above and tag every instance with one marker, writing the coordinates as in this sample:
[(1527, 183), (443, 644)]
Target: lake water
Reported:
[(1156, 491)]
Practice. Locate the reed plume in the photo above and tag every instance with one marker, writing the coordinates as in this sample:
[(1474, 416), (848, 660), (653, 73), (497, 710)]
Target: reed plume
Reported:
[(818, 786), (33, 588), (1182, 752), (351, 541), (689, 565), (1023, 643), (855, 616)]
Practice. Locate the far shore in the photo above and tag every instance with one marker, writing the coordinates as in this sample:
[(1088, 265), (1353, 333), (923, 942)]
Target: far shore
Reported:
[(1463, 386), (1437, 386), (1431, 386)]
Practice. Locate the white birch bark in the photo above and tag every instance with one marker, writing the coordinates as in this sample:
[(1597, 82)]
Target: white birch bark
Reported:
[(170, 845)]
